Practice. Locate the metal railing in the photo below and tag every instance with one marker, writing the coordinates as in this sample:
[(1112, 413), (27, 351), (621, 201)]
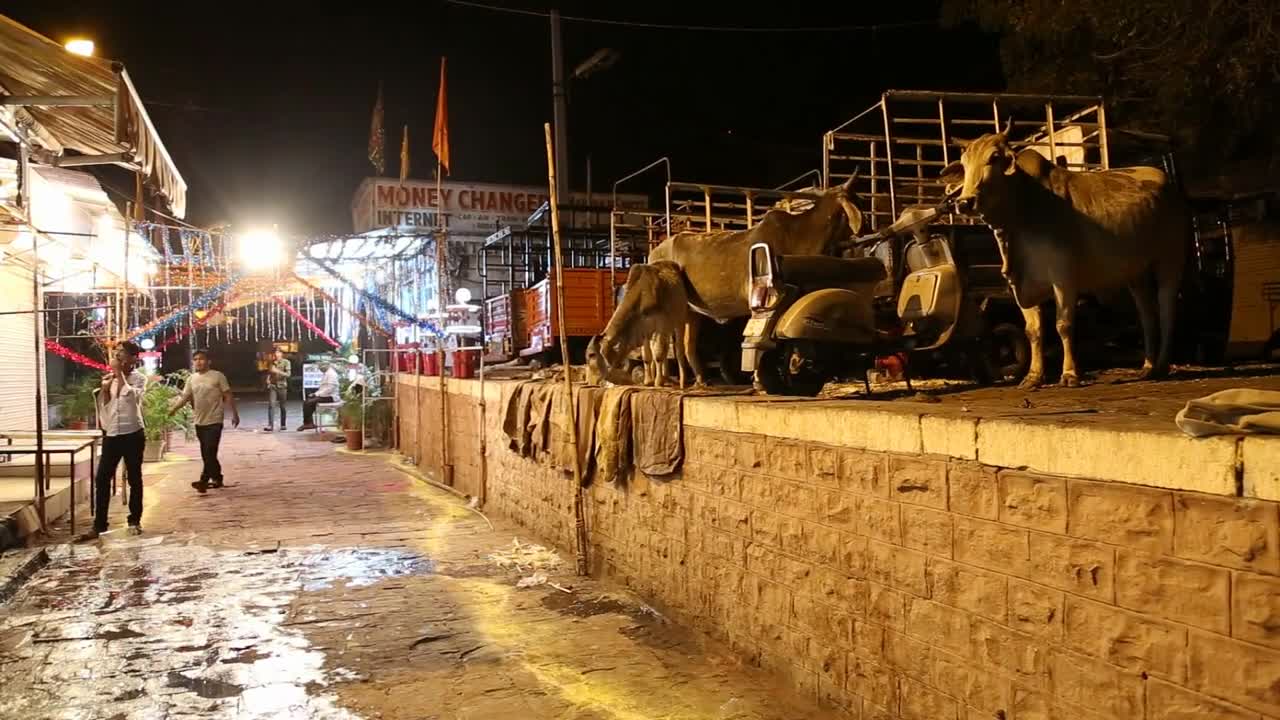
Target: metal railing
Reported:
[(899, 146)]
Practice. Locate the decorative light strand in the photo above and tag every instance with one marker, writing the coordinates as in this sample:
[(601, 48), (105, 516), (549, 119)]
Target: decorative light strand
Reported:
[(378, 302), (66, 352), (310, 326), (169, 321), (195, 324), (334, 302)]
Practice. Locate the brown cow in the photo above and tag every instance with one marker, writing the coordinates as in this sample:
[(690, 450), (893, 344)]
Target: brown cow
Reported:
[(1062, 232), (654, 310), (715, 263)]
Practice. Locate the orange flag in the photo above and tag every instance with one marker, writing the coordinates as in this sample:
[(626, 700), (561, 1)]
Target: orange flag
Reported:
[(440, 137), (404, 156)]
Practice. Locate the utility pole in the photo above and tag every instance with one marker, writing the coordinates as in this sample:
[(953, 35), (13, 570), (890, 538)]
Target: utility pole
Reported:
[(560, 111)]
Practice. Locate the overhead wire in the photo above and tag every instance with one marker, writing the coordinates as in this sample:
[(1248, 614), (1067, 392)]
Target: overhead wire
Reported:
[(691, 28)]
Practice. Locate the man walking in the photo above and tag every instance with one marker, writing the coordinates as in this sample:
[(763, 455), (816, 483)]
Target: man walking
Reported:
[(208, 391), (327, 392), (119, 405), (278, 389)]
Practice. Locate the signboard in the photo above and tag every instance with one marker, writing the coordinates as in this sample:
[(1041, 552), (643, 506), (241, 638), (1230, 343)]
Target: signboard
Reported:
[(311, 375), (472, 210)]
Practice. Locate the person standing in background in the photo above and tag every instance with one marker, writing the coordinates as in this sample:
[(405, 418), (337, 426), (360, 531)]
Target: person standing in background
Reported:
[(278, 388), (208, 391), (119, 404)]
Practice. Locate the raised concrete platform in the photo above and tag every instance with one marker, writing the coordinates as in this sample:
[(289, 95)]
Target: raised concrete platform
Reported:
[(1113, 429)]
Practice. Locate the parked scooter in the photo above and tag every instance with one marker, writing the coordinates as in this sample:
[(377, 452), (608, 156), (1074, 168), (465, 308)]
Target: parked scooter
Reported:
[(816, 319)]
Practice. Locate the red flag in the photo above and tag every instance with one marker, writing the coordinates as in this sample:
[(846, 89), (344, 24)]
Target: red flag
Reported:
[(377, 137), (440, 137)]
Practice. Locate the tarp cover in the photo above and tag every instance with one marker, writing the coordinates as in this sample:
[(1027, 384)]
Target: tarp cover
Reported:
[(34, 65)]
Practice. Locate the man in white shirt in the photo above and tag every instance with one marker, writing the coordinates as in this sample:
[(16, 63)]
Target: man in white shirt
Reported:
[(119, 405), (326, 393), (207, 391)]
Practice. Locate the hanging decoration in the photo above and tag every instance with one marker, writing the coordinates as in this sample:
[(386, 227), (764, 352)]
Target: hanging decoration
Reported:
[(335, 303), (171, 320), (196, 324), (66, 352), (310, 326), (378, 302)]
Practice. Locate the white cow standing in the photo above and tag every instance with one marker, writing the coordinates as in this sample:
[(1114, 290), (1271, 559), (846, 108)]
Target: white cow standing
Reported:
[(1062, 232)]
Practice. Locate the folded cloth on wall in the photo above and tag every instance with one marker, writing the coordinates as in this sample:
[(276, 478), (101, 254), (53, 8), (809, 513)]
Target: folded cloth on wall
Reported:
[(613, 434), (561, 441), (1239, 411), (656, 423), (539, 428), (588, 411), (515, 418)]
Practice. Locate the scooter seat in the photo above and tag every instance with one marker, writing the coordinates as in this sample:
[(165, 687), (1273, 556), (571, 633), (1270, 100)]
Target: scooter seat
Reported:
[(821, 271)]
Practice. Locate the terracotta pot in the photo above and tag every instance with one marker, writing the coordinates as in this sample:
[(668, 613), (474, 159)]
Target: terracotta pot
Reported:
[(78, 425), (354, 439)]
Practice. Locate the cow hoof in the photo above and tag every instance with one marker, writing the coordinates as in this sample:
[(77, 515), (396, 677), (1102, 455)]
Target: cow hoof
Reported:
[(1030, 382), (1070, 381)]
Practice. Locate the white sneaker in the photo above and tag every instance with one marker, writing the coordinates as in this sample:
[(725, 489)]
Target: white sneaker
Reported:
[(135, 529)]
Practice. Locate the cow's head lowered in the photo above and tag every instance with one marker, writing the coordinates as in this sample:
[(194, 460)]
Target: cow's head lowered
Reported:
[(846, 220), (632, 319), (983, 172)]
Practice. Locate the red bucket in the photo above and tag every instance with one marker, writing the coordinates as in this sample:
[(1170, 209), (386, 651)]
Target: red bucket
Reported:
[(408, 357), (430, 363), (465, 363)]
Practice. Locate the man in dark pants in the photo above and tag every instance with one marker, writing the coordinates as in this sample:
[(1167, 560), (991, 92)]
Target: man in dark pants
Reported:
[(207, 391), (119, 406), (327, 392)]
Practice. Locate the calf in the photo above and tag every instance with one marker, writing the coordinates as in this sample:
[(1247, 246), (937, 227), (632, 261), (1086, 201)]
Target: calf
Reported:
[(654, 310)]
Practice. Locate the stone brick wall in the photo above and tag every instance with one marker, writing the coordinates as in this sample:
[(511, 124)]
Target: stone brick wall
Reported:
[(925, 587), (420, 427)]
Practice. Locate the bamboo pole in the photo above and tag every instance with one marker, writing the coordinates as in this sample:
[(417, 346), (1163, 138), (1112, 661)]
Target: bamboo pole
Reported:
[(442, 288), (580, 526)]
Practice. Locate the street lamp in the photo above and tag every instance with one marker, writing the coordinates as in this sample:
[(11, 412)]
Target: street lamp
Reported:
[(80, 46), (600, 60), (261, 250)]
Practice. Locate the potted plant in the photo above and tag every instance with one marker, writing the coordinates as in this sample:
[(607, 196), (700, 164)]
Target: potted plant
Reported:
[(156, 400), (79, 404), (351, 414)]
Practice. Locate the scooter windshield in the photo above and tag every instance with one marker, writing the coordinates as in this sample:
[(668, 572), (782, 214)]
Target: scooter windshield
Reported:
[(925, 255)]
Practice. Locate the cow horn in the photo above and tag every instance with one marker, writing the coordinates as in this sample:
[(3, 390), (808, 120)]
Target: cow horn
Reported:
[(1008, 125), (848, 184)]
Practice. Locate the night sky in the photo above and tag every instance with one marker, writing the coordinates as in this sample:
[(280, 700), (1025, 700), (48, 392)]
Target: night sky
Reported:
[(265, 106)]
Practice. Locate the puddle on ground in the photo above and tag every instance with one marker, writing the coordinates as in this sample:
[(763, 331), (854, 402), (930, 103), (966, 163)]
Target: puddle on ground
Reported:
[(358, 567), (208, 688), (167, 630), (588, 606)]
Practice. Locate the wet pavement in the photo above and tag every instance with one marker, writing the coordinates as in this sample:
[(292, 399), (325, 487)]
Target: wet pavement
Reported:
[(326, 584)]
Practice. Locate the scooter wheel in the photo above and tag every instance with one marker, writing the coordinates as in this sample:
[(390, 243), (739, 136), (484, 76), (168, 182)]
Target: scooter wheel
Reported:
[(776, 378)]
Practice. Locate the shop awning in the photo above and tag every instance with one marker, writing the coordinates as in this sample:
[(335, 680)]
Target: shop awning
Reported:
[(83, 104)]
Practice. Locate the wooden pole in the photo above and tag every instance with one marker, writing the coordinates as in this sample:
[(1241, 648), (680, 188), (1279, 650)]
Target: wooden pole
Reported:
[(442, 288), (580, 525)]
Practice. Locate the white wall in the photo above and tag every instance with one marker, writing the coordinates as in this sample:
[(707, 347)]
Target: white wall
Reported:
[(18, 356)]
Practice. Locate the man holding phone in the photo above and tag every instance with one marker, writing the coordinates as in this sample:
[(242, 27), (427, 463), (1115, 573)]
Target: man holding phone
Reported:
[(119, 405)]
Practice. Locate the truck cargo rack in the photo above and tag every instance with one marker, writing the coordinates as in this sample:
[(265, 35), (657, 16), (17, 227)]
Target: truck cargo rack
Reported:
[(900, 144)]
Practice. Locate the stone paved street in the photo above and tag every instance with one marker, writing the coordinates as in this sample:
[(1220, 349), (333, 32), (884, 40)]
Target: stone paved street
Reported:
[(325, 584)]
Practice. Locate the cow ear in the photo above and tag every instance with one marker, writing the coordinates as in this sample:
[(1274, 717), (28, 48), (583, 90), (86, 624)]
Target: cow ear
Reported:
[(1010, 161), (953, 173)]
